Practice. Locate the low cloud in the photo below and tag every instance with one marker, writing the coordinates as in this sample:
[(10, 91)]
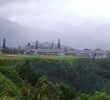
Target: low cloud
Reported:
[(49, 14)]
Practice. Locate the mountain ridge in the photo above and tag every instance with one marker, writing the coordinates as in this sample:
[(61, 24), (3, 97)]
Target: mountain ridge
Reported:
[(18, 35)]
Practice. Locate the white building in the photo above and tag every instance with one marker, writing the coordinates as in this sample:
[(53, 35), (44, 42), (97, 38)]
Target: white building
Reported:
[(31, 52), (72, 52), (55, 52), (98, 53)]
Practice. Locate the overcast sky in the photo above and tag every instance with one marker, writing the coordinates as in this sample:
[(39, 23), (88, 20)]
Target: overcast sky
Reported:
[(39, 12), (62, 14)]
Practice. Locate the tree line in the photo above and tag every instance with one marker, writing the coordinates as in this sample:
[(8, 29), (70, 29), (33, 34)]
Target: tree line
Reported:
[(10, 50)]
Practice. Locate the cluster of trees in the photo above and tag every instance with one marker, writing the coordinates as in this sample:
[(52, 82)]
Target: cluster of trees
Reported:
[(30, 46), (45, 79), (86, 75), (13, 87), (11, 50)]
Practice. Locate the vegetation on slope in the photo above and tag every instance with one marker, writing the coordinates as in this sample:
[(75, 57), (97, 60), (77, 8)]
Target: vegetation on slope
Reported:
[(57, 79), (7, 87)]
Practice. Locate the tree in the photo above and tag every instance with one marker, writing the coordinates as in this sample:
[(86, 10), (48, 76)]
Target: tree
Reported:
[(58, 45), (28, 46), (36, 44), (6, 50), (68, 92), (51, 45), (96, 96), (4, 43)]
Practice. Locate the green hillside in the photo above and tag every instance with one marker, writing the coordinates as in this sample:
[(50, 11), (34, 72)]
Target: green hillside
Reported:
[(56, 78)]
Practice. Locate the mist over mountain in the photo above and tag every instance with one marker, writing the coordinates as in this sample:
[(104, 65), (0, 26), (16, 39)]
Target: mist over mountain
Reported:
[(80, 36), (17, 35)]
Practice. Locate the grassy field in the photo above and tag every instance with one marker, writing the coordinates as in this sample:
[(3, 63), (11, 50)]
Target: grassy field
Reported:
[(11, 56)]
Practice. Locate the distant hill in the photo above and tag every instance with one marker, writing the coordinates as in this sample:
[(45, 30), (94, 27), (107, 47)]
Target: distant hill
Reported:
[(18, 35), (14, 33)]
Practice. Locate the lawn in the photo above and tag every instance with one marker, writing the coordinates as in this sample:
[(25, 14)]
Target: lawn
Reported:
[(12, 56)]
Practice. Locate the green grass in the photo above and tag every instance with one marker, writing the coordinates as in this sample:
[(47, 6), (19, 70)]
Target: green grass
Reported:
[(11, 56), (7, 86)]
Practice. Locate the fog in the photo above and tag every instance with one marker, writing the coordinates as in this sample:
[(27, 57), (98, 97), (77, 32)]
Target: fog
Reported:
[(90, 18)]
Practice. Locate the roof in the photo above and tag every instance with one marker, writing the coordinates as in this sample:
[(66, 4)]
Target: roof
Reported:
[(100, 51), (31, 50), (86, 51), (73, 51)]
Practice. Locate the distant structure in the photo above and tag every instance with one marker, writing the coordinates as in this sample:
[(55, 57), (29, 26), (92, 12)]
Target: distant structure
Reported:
[(36, 46), (58, 45), (55, 51), (97, 53)]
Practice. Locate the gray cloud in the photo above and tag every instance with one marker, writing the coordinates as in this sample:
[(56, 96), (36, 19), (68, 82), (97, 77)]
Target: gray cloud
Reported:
[(38, 11), (4, 2), (57, 15)]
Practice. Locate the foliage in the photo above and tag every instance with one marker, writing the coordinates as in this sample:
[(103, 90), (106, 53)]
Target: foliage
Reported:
[(11, 74), (86, 75), (96, 96), (68, 92), (47, 89), (106, 87), (28, 72), (10, 50), (43, 90), (7, 87), (56, 79)]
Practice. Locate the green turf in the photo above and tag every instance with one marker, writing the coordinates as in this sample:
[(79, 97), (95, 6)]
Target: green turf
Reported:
[(11, 56)]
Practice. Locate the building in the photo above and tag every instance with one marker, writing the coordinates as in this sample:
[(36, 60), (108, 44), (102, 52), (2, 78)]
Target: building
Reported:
[(54, 52), (86, 52), (44, 50), (31, 52), (72, 52), (97, 53)]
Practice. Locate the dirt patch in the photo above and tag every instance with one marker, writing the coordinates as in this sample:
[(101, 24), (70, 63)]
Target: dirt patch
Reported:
[(9, 56)]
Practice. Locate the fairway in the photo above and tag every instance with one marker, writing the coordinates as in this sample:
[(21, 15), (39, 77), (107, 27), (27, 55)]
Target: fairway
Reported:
[(12, 56)]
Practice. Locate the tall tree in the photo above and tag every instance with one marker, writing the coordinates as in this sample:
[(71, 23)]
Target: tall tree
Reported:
[(58, 45), (28, 46), (52, 45), (4, 43), (36, 44)]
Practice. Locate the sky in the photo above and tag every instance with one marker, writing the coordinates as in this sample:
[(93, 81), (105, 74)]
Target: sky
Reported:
[(58, 15), (36, 13)]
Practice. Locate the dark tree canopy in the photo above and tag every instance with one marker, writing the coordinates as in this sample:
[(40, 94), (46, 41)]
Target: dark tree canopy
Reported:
[(36, 44), (59, 47), (4, 43), (52, 45)]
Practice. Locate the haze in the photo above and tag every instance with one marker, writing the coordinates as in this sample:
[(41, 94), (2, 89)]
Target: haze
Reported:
[(62, 16)]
